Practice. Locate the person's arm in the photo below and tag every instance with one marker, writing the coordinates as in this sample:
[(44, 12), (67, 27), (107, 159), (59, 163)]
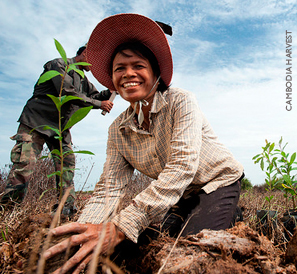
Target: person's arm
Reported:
[(151, 205), (117, 172), (94, 219), (87, 236), (101, 97), (72, 84)]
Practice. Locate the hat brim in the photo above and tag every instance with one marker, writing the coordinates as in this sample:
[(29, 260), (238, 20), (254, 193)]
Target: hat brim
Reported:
[(117, 29)]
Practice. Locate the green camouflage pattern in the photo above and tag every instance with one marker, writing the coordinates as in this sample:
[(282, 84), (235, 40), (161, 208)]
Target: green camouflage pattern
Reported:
[(24, 156)]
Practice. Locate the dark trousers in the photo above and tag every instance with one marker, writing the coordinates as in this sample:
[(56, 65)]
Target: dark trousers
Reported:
[(215, 211)]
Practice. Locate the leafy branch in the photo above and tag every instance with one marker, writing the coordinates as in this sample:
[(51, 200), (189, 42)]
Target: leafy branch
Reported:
[(59, 102), (279, 163)]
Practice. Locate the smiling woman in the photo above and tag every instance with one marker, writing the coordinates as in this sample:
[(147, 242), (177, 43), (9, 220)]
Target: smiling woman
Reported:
[(133, 76), (164, 135)]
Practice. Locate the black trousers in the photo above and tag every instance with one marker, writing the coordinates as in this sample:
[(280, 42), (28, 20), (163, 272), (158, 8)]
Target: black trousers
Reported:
[(213, 211), (216, 210)]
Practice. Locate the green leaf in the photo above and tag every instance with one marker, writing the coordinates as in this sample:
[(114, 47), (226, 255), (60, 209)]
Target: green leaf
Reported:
[(69, 169), (287, 179), (42, 194), (84, 152), (69, 98), (44, 157), (255, 157), (262, 164), (54, 174), (267, 146), (268, 174), (80, 72), (55, 151), (293, 157), (268, 198), (56, 100), (52, 128), (258, 160), (85, 64), (77, 116), (280, 141), (58, 137), (271, 147), (3, 235), (47, 76), (291, 191), (61, 50), (65, 153)]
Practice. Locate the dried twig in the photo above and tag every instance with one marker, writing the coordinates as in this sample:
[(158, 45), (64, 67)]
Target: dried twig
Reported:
[(112, 265), (86, 179), (41, 262), (175, 243), (98, 249)]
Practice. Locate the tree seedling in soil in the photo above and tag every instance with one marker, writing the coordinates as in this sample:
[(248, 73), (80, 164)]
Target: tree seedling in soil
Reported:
[(59, 101), (279, 169)]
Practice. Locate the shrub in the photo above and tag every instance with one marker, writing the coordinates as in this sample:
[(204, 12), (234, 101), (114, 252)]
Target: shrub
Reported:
[(246, 184)]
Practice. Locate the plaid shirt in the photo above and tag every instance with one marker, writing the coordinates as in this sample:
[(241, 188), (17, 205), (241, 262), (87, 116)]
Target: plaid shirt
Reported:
[(180, 152)]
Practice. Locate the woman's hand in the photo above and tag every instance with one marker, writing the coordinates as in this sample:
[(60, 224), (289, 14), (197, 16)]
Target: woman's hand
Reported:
[(87, 237)]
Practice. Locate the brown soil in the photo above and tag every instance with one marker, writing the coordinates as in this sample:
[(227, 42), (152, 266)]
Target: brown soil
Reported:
[(240, 249), (236, 250)]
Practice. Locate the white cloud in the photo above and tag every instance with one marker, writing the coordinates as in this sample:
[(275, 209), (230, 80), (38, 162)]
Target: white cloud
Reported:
[(229, 53)]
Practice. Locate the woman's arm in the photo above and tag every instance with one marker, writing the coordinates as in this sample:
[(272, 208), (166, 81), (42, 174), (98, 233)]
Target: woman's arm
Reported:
[(151, 205), (87, 236), (117, 172), (93, 226)]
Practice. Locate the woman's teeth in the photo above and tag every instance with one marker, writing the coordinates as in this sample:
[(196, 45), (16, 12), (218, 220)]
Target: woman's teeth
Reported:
[(127, 85)]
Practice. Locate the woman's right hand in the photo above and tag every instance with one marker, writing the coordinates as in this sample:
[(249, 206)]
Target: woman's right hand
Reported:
[(87, 237)]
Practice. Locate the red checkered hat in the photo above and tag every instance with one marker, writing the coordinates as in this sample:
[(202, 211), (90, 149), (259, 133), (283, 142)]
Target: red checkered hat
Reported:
[(117, 29)]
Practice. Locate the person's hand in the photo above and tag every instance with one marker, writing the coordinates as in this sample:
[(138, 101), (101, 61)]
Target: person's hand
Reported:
[(106, 105), (87, 237)]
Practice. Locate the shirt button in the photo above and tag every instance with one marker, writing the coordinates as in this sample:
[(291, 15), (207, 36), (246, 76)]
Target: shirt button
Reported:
[(155, 156)]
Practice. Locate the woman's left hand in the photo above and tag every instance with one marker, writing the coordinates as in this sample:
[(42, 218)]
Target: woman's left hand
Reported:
[(87, 237)]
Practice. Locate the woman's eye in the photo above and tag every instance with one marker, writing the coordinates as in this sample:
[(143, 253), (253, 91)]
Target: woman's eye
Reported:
[(118, 69)]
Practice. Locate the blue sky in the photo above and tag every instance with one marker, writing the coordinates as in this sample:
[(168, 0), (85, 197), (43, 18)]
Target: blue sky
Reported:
[(230, 54)]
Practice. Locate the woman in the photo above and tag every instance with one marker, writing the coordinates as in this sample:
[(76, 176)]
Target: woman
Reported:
[(164, 135)]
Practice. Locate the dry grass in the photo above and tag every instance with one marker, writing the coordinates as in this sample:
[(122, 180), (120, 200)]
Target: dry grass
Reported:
[(24, 226)]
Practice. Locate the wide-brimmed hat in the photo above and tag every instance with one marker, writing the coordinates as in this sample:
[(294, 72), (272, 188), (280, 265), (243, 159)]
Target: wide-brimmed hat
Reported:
[(127, 27)]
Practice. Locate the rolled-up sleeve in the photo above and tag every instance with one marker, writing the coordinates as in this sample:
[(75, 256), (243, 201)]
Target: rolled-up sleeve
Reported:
[(179, 150), (117, 172)]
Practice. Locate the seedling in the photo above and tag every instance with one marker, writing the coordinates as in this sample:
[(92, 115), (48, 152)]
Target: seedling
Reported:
[(74, 119), (280, 166)]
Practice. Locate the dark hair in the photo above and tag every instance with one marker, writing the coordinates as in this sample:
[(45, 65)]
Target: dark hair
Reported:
[(144, 52), (80, 50)]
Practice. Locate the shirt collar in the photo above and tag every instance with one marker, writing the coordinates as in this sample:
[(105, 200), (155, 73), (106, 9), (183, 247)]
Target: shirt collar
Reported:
[(159, 102)]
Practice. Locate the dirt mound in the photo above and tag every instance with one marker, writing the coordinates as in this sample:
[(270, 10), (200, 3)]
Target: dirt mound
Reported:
[(237, 250), (24, 242)]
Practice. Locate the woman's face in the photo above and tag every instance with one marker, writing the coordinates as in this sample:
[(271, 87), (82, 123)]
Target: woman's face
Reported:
[(133, 76)]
